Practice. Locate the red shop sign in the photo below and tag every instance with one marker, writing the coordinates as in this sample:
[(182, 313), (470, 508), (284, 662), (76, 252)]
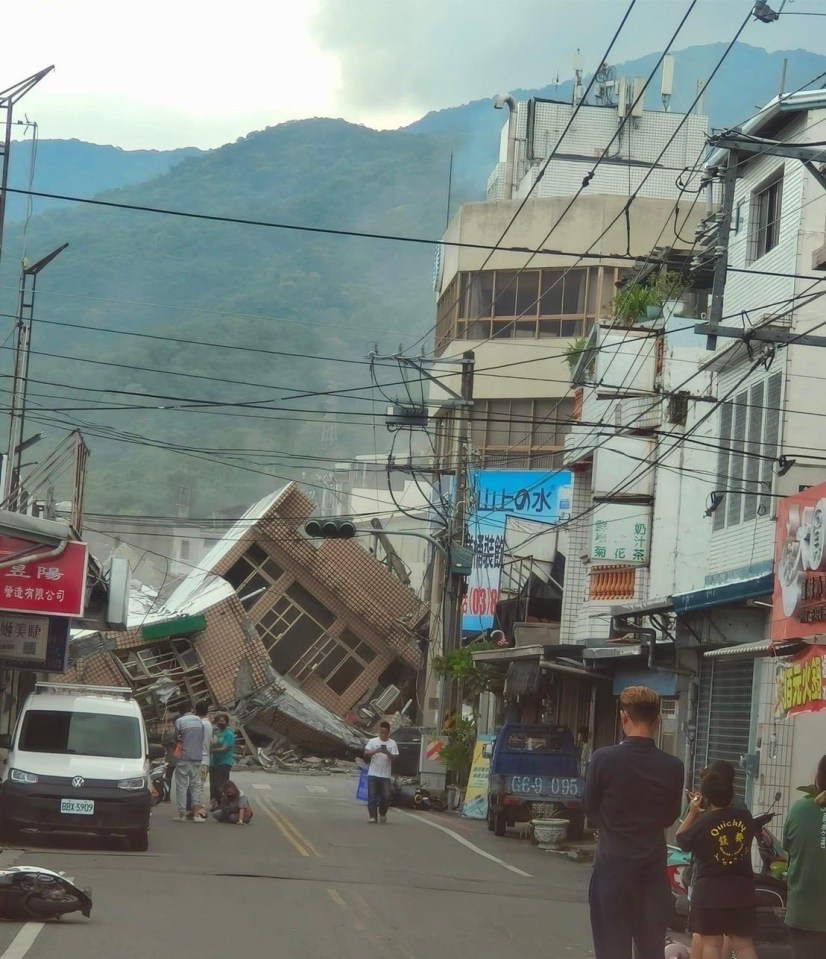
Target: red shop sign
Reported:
[(53, 586)]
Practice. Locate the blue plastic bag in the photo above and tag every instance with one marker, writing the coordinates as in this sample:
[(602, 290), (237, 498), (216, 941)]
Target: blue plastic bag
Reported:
[(361, 790)]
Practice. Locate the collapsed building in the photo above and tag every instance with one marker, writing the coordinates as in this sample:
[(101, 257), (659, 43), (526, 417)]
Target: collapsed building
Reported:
[(303, 639)]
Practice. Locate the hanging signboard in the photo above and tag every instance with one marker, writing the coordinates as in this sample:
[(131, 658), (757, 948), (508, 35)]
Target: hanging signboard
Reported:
[(37, 643), (799, 600), (538, 495), (476, 795), (53, 586), (621, 532), (801, 684)]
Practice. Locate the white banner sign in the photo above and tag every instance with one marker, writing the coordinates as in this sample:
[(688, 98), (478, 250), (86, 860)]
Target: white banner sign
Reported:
[(621, 533), (24, 637)]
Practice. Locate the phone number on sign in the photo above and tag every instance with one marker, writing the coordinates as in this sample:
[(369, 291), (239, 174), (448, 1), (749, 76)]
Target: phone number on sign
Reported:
[(480, 601)]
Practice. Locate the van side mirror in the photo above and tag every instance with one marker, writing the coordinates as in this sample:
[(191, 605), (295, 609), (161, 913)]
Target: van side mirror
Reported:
[(5, 741), (156, 750)]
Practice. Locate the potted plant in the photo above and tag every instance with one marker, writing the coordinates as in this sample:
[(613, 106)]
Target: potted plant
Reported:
[(549, 832), (637, 301), (457, 755)]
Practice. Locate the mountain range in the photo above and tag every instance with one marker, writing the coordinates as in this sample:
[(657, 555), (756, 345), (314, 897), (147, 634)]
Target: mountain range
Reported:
[(306, 308)]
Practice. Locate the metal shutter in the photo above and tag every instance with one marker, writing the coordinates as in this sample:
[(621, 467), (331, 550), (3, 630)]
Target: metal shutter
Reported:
[(724, 715)]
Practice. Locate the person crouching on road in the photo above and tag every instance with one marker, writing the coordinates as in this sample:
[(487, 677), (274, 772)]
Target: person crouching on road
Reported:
[(380, 751), (233, 805), (723, 896)]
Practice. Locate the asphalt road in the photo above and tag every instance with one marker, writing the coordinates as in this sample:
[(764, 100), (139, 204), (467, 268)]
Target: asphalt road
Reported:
[(309, 878)]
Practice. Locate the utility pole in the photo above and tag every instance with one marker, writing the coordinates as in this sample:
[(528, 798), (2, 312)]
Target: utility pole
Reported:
[(25, 315), (8, 98), (456, 572)]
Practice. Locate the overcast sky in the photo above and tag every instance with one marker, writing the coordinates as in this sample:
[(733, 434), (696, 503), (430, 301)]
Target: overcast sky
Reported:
[(167, 73)]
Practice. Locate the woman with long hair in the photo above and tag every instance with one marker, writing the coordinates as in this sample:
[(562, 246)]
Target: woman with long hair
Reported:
[(804, 838)]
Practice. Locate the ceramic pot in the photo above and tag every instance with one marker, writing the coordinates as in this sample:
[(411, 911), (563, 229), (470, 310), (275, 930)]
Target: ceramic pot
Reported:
[(549, 833)]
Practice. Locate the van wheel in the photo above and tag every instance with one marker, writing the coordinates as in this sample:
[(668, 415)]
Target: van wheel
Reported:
[(499, 823), (489, 818), (138, 840)]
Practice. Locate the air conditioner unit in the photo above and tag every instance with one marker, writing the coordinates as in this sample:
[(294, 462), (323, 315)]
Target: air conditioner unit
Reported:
[(385, 701)]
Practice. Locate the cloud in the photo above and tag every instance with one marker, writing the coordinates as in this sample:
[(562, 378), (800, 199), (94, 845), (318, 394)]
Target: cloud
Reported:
[(401, 58)]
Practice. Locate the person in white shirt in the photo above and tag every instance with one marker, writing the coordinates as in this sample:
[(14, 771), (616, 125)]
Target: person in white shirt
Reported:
[(202, 712), (380, 752)]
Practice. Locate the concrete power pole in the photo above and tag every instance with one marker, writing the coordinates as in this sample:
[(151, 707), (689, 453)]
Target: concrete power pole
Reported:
[(457, 571), (8, 99)]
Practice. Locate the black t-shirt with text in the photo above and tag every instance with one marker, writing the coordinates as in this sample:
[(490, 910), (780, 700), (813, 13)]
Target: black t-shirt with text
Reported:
[(721, 843)]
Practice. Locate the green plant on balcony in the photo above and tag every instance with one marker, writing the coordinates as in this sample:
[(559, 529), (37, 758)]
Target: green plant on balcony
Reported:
[(636, 301), (574, 350)]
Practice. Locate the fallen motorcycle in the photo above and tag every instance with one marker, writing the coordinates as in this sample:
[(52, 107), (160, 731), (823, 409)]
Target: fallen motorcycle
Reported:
[(32, 893)]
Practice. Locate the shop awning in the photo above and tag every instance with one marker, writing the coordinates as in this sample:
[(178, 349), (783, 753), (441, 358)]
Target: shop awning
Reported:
[(723, 595), (642, 608), (756, 650), (663, 683)]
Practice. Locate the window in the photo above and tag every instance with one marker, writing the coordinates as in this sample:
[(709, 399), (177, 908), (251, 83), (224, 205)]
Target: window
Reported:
[(749, 441), (296, 622), (509, 304), (254, 572), (184, 549), (81, 734), (552, 741), (764, 218), (341, 661), (520, 433)]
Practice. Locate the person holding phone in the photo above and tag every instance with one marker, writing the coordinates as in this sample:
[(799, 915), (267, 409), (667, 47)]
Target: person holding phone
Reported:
[(380, 751)]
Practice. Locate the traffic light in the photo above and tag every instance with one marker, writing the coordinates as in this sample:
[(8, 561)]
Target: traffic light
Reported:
[(330, 528)]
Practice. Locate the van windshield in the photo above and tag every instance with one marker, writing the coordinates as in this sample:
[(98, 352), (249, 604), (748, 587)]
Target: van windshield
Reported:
[(82, 734)]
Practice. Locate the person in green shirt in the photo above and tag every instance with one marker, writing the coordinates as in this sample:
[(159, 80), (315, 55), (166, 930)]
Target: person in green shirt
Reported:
[(222, 752), (804, 839)]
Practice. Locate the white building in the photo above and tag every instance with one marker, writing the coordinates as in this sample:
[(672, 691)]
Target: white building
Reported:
[(712, 441)]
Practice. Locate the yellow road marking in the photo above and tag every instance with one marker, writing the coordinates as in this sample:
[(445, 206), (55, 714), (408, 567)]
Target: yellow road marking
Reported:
[(285, 825), (284, 832), (337, 898)]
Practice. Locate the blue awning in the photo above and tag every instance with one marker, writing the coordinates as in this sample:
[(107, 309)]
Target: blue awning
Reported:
[(723, 595), (663, 683)]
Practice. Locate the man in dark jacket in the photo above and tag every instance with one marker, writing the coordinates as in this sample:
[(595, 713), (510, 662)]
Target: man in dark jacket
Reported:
[(633, 793)]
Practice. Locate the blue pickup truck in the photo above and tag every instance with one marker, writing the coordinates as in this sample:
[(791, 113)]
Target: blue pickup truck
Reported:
[(535, 764)]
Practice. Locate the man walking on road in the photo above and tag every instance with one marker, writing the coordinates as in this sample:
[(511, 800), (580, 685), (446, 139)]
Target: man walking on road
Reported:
[(633, 793), (380, 750), (189, 734)]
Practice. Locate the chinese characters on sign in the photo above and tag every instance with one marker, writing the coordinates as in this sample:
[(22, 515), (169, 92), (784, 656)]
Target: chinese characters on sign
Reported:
[(538, 496), (799, 600), (621, 532), (800, 685), (53, 586), (24, 637)]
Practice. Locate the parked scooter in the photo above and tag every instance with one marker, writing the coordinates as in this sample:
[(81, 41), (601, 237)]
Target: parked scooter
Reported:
[(159, 782), (32, 893)]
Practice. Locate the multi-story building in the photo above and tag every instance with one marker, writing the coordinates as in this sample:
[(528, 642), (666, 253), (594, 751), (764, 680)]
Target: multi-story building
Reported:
[(526, 276), (678, 488)]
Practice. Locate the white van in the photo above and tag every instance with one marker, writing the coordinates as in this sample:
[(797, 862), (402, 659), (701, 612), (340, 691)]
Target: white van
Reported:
[(78, 761)]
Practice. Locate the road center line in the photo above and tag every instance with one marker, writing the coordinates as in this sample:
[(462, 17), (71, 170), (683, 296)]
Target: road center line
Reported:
[(467, 843), (23, 941), (282, 829)]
